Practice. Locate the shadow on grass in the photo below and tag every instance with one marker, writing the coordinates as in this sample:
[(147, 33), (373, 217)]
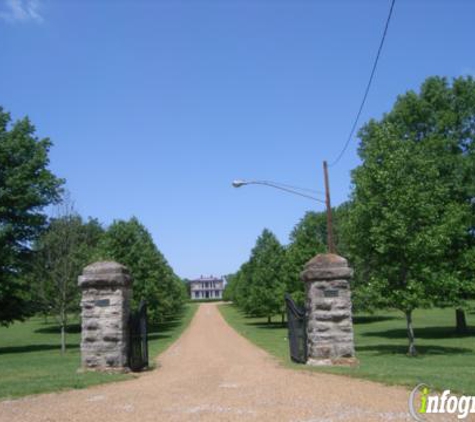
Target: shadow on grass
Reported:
[(56, 329), (368, 319), (164, 326), (266, 326), (35, 348), (161, 330), (435, 333), (387, 349), (158, 336)]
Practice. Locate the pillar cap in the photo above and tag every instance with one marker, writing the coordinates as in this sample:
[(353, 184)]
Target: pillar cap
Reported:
[(327, 260), (326, 266), (105, 274)]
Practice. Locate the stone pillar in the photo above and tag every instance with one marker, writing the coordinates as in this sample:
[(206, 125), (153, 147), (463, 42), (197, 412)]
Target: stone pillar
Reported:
[(106, 293), (328, 309)]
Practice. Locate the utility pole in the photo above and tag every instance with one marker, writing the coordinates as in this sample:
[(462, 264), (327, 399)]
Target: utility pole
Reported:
[(331, 245)]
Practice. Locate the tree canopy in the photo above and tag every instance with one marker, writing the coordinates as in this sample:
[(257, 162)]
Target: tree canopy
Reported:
[(259, 285), (27, 186)]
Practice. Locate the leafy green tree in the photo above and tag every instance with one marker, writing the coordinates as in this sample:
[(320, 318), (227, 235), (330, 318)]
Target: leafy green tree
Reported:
[(267, 286), (129, 243), (258, 287), (62, 252), (186, 282), (240, 286), (403, 221), (230, 289), (26, 187), (443, 114)]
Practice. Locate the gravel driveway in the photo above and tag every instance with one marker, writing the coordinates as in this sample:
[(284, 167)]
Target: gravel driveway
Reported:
[(213, 374)]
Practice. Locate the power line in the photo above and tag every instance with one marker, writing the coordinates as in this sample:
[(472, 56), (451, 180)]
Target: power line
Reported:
[(375, 64)]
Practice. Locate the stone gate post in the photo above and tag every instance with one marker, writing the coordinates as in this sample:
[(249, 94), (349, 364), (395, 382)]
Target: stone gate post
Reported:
[(328, 309), (106, 294)]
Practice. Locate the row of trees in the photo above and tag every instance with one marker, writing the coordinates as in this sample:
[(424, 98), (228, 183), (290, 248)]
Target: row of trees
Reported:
[(272, 270), (41, 258), (68, 244), (409, 226)]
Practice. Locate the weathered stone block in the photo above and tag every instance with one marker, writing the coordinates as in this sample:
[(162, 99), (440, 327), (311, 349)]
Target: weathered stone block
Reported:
[(345, 350), (112, 336), (334, 315), (323, 351), (322, 305), (91, 324), (340, 284), (342, 305), (90, 337), (113, 360)]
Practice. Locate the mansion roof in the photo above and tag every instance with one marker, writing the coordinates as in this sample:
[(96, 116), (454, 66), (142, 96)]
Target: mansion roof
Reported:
[(204, 279)]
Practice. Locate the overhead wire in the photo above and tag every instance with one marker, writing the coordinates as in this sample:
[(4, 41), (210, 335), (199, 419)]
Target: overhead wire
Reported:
[(373, 71)]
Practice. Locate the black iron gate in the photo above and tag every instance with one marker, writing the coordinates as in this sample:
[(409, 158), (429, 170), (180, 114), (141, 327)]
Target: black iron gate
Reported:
[(297, 324), (138, 345)]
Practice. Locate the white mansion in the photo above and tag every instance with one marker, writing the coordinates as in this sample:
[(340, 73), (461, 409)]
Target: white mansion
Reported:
[(206, 288)]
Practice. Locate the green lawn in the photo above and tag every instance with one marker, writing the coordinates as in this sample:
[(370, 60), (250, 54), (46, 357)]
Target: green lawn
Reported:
[(446, 360), (30, 360)]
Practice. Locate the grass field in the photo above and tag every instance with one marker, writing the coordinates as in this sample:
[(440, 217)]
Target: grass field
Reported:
[(446, 360), (30, 359)]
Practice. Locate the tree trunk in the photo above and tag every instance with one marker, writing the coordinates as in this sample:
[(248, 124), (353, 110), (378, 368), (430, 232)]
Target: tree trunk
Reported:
[(461, 321), (410, 334), (63, 339), (269, 319), (283, 318), (62, 324)]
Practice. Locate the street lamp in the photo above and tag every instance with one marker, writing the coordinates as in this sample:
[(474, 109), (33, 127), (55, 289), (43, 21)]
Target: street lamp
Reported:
[(295, 190)]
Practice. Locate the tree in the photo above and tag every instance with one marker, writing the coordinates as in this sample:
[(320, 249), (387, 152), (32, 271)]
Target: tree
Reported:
[(129, 243), (62, 252), (238, 288), (442, 114), (27, 186), (266, 283), (229, 292), (403, 220), (258, 287)]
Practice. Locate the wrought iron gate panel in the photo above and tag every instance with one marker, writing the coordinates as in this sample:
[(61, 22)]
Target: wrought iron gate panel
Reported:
[(297, 325), (138, 344)]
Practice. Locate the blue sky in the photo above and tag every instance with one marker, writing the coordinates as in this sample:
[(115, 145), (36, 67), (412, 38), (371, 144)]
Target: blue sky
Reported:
[(154, 107)]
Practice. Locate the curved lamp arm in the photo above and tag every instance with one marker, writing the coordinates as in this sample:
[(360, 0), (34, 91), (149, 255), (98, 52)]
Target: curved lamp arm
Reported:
[(238, 183)]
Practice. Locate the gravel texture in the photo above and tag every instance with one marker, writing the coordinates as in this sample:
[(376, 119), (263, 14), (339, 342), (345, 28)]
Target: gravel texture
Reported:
[(213, 374)]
